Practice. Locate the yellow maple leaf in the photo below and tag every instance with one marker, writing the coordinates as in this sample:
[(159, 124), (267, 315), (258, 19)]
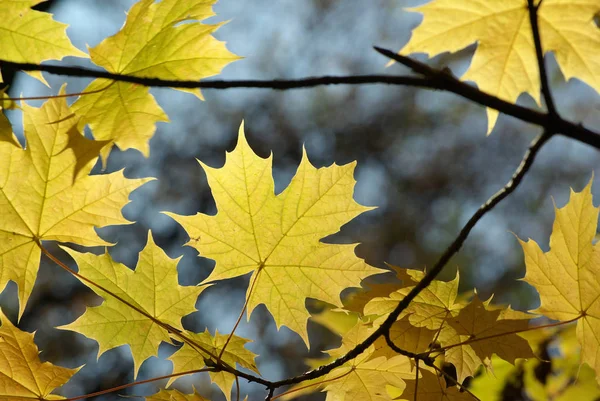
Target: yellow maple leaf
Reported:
[(190, 358), (30, 36), (438, 310), (175, 395), (43, 198), (22, 375), (484, 330), (429, 309), (155, 301), (159, 40), (356, 301), (277, 238), (505, 63), (567, 276), (365, 377)]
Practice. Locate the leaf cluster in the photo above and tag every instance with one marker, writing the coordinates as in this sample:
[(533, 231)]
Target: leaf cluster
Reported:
[(412, 337)]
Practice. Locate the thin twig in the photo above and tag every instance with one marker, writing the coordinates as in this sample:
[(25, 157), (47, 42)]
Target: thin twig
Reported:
[(539, 52), (239, 319), (417, 357), (443, 80), (434, 79), (123, 386), (218, 365), (276, 84)]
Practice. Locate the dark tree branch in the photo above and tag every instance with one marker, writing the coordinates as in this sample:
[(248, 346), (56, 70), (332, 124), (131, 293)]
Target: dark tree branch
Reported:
[(433, 79), (444, 80), (539, 52)]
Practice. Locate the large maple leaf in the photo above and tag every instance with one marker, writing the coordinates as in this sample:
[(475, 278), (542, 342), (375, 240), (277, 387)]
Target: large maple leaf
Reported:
[(46, 194), (159, 40), (141, 308), (567, 277), (22, 375), (483, 330), (277, 238), (505, 63), (30, 36)]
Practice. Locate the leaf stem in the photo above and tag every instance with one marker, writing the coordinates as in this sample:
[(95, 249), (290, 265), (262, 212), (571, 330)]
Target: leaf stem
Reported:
[(16, 99), (220, 365), (123, 386)]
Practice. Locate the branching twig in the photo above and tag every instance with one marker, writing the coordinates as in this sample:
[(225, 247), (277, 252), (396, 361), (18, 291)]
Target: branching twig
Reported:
[(269, 396), (446, 81), (539, 52), (433, 79)]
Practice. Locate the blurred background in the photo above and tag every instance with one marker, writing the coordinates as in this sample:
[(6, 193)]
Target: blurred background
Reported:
[(423, 159)]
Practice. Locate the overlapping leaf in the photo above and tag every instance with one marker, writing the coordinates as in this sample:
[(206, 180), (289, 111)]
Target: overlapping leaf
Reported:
[(175, 395), (472, 332), (160, 39), (482, 331), (191, 358), (277, 238), (140, 307), (42, 197), (429, 309), (22, 375), (505, 63)]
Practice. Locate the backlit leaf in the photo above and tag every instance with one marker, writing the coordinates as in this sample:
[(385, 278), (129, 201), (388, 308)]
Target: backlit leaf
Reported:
[(155, 302), (277, 238), (42, 197), (504, 64)]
